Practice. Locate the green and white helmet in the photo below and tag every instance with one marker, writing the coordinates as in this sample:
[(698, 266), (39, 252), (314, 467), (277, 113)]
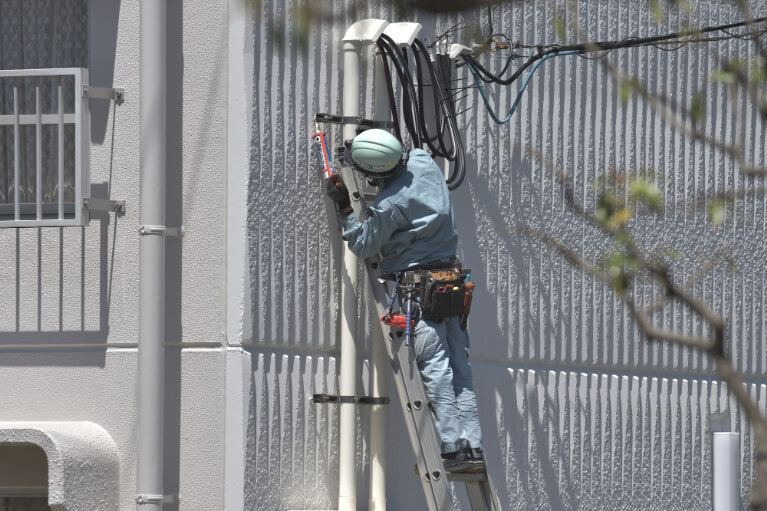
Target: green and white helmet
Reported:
[(375, 153)]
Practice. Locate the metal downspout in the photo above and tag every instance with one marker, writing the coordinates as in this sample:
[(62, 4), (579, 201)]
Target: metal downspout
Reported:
[(151, 389)]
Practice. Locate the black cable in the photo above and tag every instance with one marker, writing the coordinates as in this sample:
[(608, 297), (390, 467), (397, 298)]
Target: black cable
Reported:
[(420, 52), (445, 141), (445, 115), (606, 46), (392, 99), (389, 48), (648, 40)]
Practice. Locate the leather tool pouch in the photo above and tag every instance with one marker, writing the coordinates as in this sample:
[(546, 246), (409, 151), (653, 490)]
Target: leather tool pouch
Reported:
[(442, 294)]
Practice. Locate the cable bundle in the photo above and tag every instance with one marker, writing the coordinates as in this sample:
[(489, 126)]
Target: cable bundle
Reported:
[(446, 141)]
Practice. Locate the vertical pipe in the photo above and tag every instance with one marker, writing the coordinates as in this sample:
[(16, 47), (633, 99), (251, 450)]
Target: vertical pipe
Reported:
[(347, 483), (726, 466), (16, 157), (380, 359), (38, 157), (151, 258), (61, 153)]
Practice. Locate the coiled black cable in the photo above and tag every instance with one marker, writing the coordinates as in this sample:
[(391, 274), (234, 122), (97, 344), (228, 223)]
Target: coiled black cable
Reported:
[(446, 142), (390, 49)]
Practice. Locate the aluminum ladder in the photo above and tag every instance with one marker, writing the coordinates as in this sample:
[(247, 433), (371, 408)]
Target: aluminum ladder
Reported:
[(415, 403), (418, 418)]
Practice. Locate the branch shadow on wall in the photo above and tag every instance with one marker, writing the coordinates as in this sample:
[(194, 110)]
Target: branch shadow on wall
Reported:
[(490, 342)]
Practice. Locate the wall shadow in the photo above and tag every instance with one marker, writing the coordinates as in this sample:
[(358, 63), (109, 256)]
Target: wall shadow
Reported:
[(82, 347), (103, 19)]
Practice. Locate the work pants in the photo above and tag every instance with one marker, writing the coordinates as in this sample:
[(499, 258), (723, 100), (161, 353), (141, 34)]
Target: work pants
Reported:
[(442, 352)]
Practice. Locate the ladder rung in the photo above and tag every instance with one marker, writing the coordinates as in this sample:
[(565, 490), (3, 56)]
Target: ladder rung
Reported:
[(467, 477)]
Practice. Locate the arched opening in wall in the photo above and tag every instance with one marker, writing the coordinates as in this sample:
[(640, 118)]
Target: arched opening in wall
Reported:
[(23, 478)]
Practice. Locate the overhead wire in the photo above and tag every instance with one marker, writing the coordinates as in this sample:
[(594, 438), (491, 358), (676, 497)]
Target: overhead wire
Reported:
[(521, 91), (544, 52)]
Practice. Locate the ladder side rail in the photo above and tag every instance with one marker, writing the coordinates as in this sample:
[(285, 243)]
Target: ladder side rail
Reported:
[(415, 406), (482, 495)]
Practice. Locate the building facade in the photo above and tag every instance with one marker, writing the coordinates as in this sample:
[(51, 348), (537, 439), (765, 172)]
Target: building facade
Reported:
[(577, 408)]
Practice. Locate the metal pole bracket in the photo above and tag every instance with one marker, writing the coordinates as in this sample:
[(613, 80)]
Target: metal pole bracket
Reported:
[(161, 230), (339, 119), (93, 204), (360, 400), (112, 94), (156, 499)]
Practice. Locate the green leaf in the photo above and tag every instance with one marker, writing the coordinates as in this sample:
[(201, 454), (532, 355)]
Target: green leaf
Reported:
[(560, 29), (698, 107), (648, 193), (716, 213), (605, 207), (619, 266), (657, 11), (619, 218), (723, 77), (758, 73), (625, 92)]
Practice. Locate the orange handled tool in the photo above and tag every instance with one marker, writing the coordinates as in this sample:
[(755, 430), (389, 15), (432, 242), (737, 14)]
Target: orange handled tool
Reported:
[(321, 142), (397, 320)]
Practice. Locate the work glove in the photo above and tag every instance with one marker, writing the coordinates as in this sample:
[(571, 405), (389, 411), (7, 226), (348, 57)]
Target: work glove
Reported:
[(338, 193)]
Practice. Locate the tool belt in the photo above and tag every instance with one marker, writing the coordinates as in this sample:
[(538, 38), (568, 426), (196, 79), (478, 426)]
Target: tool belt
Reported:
[(445, 293), (441, 293)]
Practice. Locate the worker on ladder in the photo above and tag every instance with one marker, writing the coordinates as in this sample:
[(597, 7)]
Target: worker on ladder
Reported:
[(411, 226)]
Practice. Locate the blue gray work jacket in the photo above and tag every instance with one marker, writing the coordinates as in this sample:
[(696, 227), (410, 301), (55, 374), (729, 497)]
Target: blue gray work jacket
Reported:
[(411, 221)]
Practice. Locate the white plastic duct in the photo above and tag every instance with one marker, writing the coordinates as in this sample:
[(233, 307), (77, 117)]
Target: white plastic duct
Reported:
[(726, 466), (358, 35), (403, 34), (151, 354)]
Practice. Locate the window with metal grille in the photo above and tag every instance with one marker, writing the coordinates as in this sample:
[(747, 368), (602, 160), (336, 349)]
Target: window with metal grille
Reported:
[(44, 149), (44, 121)]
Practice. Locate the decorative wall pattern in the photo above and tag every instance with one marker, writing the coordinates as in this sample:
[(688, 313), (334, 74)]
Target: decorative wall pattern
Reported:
[(582, 412)]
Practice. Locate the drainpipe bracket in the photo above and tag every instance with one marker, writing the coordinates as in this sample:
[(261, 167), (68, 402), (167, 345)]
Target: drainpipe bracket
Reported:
[(112, 94), (161, 230), (156, 499), (92, 204)]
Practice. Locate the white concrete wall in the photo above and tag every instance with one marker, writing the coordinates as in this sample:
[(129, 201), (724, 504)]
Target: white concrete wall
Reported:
[(68, 333), (578, 411)]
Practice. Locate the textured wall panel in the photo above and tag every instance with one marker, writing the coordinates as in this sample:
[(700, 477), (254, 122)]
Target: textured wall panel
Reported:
[(583, 411)]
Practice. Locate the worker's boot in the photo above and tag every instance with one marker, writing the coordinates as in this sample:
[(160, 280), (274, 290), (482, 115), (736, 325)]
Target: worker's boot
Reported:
[(477, 457), (462, 461), (457, 461)]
